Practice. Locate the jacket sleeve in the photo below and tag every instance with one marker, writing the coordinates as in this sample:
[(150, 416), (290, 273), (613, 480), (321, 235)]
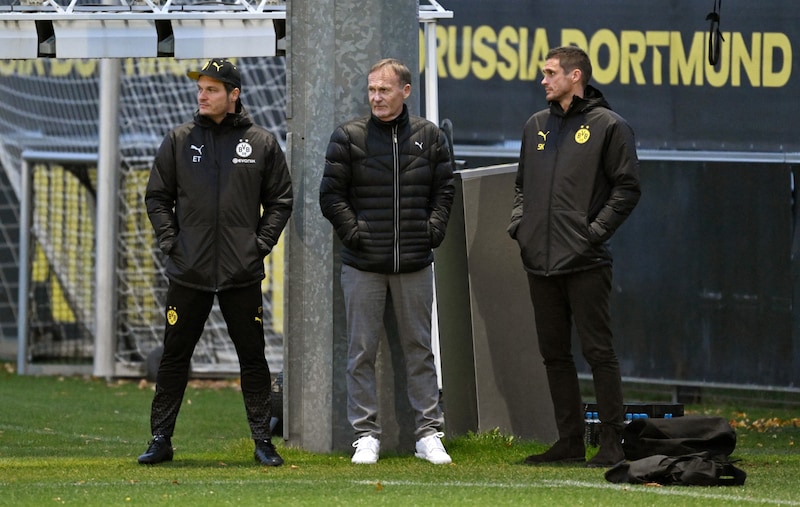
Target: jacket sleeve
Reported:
[(161, 193), (621, 166), (516, 207), (442, 191), (276, 198), (334, 199)]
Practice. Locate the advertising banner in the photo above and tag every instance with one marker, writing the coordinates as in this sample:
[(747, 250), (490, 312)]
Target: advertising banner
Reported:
[(650, 59)]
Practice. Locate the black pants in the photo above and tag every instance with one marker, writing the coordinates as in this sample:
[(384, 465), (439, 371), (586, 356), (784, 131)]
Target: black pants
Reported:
[(582, 298), (186, 312)]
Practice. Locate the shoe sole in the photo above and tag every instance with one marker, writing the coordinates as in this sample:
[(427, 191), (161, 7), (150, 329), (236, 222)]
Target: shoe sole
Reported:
[(360, 462), (364, 461), (420, 456), (146, 462), (589, 464), (555, 462), (271, 464)]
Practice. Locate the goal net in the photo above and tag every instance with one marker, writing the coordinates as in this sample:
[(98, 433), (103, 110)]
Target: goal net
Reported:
[(49, 121)]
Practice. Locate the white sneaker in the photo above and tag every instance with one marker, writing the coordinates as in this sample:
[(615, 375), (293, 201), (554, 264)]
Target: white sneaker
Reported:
[(431, 449), (367, 449)]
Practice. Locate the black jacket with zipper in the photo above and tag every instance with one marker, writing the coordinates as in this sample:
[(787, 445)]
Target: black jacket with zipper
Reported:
[(218, 197), (387, 190), (577, 182)]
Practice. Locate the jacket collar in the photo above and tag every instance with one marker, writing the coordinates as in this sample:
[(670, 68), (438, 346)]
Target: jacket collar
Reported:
[(241, 118), (592, 98), (401, 119)]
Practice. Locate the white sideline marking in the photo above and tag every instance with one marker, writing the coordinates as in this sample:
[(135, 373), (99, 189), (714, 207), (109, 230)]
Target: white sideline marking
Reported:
[(630, 488), (75, 436), (682, 491)]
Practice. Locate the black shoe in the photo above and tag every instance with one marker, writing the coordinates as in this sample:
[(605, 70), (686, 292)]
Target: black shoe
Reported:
[(160, 450), (610, 452), (607, 457), (266, 454), (565, 450)]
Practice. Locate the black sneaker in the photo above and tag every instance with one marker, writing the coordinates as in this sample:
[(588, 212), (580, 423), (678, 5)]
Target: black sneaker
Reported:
[(160, 450), (266, 454)]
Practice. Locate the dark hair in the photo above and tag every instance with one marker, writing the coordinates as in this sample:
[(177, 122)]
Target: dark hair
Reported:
[(571, 58), (399, 68)]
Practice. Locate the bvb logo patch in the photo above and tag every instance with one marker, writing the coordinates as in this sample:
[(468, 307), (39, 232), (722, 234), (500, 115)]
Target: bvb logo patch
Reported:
[(243, 149), (172, 315), (582, 135)]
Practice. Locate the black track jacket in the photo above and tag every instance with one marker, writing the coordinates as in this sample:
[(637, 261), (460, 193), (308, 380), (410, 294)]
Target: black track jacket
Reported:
[(577, 182), (205, 195)]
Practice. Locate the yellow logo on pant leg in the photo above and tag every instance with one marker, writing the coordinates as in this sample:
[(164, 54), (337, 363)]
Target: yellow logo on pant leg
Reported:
[(172, 315)]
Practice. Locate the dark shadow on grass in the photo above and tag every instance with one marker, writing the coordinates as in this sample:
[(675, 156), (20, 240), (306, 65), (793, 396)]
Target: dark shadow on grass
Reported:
[(208, 463)]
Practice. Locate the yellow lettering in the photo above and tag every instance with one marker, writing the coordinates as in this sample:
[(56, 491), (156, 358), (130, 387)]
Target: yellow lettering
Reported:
[(509, 63), (459, 70), (604, 38), (481, 48), (31, 67), (147, 67), (422, 48), (634, 50), (627, 57), (85, 68), (539, 52), (718, 78), (740, 59), (39, 67), (442, 50), (657, 40), (179, 67), (7, 67), (684, 68), (573, 36), (777, 42), (129, 67), (60, 68)]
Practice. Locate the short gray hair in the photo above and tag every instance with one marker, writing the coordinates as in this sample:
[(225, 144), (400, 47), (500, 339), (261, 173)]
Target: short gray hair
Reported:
[(399, 68)]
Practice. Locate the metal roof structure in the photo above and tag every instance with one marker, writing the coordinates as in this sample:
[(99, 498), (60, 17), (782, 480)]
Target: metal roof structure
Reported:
[(147, 28)]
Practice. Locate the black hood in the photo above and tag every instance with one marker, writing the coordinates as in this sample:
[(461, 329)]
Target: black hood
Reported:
[(592, 98), (241, 118)]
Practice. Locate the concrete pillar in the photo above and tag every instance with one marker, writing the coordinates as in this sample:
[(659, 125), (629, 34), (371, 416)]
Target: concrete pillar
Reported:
[(331, 44)]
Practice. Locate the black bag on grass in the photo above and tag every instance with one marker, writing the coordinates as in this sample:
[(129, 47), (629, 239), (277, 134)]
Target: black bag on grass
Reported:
[(688, 451), (678, 436), (699, 469)]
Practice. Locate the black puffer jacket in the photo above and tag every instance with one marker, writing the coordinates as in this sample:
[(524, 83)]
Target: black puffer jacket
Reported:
[(205, 195), (387, 189), (577, 182)]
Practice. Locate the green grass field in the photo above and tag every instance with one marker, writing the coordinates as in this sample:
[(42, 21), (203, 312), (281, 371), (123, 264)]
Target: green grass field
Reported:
[(74, 441)]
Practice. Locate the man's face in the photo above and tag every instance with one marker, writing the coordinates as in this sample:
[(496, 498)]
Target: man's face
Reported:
[(212, 99), (559, 86), (386, 96)]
